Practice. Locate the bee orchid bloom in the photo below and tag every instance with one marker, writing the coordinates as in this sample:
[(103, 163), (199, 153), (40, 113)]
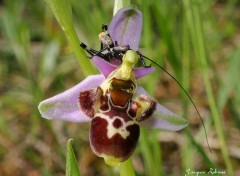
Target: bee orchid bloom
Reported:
[(112, 101)]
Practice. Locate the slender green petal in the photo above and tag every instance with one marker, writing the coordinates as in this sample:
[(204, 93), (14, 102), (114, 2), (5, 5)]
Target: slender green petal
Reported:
[(63, 13), (71, 163), (120, 4)]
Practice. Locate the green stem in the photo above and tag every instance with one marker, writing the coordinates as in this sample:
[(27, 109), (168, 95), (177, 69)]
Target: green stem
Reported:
[(196, 29), (126, 168), (120, 4)]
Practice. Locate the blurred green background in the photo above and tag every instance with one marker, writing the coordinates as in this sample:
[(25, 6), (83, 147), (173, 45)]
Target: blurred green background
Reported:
[(197, 41)]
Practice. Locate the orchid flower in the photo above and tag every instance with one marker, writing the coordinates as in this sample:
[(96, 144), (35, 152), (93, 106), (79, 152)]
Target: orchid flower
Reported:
[(112, 101)]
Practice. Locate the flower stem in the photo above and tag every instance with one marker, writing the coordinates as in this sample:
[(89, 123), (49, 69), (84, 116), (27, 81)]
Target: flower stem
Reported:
[(126, 168), (120, 4)]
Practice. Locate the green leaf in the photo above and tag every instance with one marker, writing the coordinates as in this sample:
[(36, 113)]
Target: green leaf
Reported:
[(63, 12), (194, 17), (71, 161), (230, 81)]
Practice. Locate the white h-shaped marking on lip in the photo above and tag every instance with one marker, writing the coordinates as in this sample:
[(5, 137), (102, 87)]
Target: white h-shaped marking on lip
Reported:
[(111, 130)]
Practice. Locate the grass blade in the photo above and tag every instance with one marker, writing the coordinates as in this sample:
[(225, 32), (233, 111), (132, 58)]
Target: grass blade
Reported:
[(71, 161)]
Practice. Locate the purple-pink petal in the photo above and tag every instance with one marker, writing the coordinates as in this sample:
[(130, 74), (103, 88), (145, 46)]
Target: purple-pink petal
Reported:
[(64, 106), (162, 118), (106, 68), (126, 27), (143, 71), (103, 66)]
